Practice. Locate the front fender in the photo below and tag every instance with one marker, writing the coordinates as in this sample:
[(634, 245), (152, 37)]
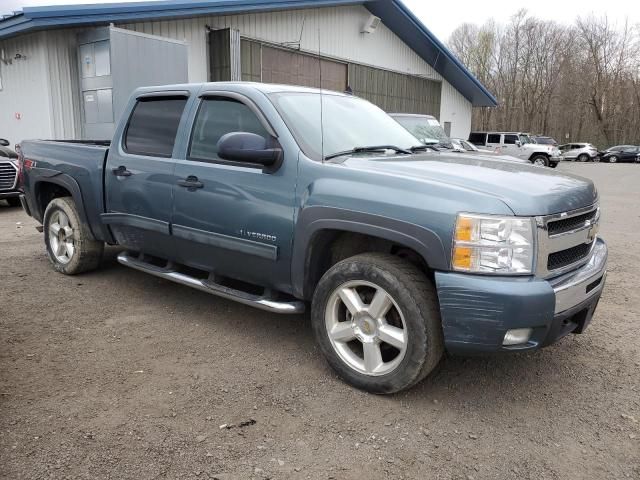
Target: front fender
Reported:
[(315, 219)]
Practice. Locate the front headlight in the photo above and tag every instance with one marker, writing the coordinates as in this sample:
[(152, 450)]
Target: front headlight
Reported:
[(492, 244)]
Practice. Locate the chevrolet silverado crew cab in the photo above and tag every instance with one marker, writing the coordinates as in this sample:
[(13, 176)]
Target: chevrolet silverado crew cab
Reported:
[(283, 197), (519, 145)]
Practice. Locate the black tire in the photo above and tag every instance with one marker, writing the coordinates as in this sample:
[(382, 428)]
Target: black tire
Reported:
[(13, 201), (583, 157), (613, 159), (87, 251), (541, 159), (414, 295)]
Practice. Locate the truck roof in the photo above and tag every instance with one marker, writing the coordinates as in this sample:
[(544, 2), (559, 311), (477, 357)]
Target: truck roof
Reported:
[(263, 87)]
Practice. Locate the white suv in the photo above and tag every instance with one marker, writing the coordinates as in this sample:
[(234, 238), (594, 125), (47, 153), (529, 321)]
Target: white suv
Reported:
[(519, 145), (581, 152)]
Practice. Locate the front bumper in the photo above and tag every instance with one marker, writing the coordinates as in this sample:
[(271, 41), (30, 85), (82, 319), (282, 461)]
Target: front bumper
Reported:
[(9, 193), (478, 310)]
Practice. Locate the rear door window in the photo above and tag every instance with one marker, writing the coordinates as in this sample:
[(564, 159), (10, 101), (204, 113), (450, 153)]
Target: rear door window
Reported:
[(153, 126), (493, 138)]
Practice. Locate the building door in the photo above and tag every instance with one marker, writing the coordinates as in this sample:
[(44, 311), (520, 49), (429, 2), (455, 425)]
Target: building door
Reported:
[(263, 63), (396, 92)]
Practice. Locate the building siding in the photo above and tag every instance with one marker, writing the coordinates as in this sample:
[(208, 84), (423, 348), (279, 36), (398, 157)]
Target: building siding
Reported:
[(382, 49), (25, 90), (44, 88)]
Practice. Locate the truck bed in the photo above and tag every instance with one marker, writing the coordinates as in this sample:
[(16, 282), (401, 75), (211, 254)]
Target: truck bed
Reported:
[(76, 165)]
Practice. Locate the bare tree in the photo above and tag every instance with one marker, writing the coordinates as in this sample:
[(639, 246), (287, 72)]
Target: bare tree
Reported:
[(580, 81)]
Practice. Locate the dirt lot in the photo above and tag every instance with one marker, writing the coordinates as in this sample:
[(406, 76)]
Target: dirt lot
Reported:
[(116, 374)]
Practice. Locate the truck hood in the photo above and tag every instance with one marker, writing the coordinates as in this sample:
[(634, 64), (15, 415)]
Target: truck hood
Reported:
[(525, 189)]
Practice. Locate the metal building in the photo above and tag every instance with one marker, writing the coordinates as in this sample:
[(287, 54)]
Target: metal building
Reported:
[(377, 48)]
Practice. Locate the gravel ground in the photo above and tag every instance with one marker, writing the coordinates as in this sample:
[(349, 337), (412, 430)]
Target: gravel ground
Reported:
[(117, 374)]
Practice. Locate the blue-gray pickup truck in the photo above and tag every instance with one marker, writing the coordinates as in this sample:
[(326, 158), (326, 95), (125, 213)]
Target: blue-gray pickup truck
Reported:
[(282, 197)]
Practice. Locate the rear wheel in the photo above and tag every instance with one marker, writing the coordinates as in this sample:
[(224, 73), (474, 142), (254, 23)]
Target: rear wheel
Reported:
[(377, 321), (70, 245), (583, 157), (540, 161)]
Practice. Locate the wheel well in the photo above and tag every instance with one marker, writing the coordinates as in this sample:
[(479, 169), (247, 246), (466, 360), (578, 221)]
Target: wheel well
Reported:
[(538, 154), (329, 247), (45, 192)]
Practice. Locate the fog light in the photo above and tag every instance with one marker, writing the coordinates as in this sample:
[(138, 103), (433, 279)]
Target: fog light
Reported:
[(517, 336)]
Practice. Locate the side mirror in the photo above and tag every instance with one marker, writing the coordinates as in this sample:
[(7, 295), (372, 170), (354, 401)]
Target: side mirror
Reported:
[(249, 148), (4, 143)]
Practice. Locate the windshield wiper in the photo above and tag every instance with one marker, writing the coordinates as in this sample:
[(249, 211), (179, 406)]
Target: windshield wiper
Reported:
[(424, 148), (375, 148)]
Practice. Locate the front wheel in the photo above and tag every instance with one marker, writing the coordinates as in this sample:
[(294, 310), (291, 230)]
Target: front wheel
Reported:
[(377, 322), (613, 159), (70, 245), (540, 161)]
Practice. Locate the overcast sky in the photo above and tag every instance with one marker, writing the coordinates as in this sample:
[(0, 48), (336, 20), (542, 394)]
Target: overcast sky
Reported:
[(443, 16)]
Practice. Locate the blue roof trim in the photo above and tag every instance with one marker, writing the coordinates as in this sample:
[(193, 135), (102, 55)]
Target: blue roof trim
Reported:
[(394, 14)]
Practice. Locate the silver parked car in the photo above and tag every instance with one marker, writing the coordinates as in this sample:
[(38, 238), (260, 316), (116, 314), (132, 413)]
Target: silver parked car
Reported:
[(581, 152)]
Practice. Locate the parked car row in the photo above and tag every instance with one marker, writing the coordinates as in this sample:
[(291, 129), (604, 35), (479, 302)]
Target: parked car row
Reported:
[(519, 145), (8, 174)]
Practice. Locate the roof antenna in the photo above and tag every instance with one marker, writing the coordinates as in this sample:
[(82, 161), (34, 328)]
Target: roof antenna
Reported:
[(321, 106)]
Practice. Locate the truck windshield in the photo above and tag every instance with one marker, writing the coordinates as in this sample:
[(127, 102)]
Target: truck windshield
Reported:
[(425, 128), (349, 122)]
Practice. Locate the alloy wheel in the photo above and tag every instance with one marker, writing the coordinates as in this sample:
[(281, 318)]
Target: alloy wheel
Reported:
[(61, 239), (366, 328)]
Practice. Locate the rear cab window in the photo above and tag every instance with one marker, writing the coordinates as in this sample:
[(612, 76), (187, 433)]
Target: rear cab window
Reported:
[(153, 126)]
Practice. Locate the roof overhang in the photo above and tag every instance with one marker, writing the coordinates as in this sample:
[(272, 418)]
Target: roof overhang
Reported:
[(394, 14)]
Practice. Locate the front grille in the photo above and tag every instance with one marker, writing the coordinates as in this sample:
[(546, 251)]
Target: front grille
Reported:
[(568, 224), (568, 257), (7, 176)]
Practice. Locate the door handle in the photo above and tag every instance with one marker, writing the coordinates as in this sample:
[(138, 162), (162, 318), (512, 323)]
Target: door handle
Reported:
[(121, 171), (191, 182)]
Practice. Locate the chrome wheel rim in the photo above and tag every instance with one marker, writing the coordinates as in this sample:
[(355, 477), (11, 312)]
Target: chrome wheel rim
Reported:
[(366, 328), (613, 159), (61, 237), (539, 162)]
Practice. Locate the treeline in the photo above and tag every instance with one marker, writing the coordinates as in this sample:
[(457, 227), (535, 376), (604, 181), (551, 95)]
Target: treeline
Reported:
[(581, 79)]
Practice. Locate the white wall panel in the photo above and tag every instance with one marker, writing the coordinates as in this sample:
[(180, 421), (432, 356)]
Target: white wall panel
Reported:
[(456, 109), (25, 90)]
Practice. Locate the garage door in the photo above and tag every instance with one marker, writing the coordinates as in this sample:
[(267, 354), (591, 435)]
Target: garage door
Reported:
[(396, 92), (276, 65)]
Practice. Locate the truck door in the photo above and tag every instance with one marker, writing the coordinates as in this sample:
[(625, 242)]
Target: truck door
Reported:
[(233, 218), (139, 176), (511, 145)]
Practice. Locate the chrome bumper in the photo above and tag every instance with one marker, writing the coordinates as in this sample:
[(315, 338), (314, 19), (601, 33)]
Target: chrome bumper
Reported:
[(588, 281)]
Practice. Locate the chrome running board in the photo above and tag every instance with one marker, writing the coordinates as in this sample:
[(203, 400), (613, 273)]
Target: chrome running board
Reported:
[(263, 302)]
